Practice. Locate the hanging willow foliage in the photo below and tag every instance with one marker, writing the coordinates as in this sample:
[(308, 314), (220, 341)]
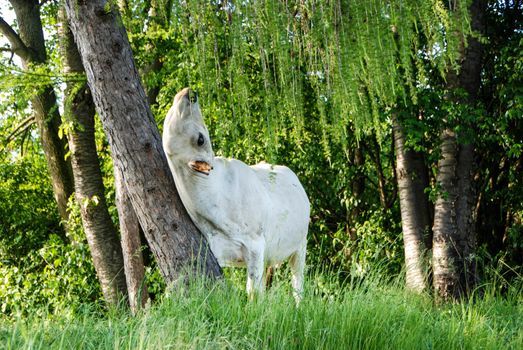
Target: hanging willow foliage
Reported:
[(260, 60)]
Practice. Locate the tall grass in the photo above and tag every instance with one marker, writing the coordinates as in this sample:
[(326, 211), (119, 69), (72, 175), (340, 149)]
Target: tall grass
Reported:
[(368, 314)]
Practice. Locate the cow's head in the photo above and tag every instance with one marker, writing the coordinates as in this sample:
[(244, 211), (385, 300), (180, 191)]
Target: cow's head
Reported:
[(186, 139)]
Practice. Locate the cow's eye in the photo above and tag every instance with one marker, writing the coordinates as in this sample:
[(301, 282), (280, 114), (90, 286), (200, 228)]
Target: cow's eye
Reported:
[(201, 140)]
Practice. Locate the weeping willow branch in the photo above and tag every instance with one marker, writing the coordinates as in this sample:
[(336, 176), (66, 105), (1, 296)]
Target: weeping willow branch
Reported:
[(268, 68), (35, 75)]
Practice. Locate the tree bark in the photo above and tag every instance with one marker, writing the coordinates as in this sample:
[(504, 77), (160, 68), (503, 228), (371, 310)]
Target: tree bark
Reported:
[(454, 233), (29, 45), (415, 216), (470, 81), (130, 229), (179, 248), (101, 234), (131, 246), (446, 252), (454, 241)]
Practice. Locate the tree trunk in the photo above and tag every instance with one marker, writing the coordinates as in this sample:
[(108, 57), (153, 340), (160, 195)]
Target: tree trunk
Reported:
[(470, 81), (415, 216), (30, 46), (454, 223), (132, 243), (101, 234), (48, 120), (446, 256), (135, 142), (358, 186), (131, 246), (375, 154), (466, 213)]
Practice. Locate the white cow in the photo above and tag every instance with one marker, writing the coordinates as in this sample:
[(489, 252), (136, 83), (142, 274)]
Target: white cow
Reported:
[(254, 216)]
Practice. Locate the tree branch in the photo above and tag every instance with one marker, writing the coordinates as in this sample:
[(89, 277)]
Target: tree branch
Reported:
[(20, 128), (17, 45)]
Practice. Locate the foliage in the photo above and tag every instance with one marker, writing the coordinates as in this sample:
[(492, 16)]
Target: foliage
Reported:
[(501, 139), (56, 276), (369, 314), (27, 211)]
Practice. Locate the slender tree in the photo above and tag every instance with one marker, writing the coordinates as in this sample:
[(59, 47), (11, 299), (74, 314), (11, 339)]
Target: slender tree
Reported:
[(29, 45), (358, 186), (135, 142), (131, 245), (100, 231)]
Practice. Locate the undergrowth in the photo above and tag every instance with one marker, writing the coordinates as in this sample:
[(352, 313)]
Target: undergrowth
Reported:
[(365, 313)]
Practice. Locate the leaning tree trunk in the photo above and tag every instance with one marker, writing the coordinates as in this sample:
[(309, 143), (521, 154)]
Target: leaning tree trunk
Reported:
[(29, 45), (101, 234), (415, 216), (135, 142), (131, 245)]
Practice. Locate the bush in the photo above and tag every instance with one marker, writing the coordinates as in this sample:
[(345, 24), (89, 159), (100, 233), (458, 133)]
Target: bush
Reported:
[(43, 269)]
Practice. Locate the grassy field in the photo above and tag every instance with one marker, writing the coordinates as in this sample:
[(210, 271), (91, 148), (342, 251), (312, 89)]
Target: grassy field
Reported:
[(360, 315)]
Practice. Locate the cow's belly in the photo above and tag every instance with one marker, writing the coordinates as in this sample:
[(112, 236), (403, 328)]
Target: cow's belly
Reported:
[(281, 244), (288, 212), (287, 229)]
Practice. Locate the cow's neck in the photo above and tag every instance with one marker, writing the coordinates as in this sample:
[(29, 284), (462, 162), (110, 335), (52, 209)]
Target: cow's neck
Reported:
[(193, 187)]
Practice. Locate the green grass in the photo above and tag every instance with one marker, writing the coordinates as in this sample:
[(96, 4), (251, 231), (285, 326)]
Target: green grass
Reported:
[(361, 315)]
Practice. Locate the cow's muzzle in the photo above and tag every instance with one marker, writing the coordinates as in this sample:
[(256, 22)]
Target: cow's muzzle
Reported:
[(201, 167)]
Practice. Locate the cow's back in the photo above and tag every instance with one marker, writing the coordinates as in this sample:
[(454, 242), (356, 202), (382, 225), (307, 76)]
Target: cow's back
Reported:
[(290, 209)]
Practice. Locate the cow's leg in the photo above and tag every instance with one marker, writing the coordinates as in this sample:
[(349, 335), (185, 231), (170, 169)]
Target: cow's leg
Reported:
[(255, 267), (267, 277), (297, 265)]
